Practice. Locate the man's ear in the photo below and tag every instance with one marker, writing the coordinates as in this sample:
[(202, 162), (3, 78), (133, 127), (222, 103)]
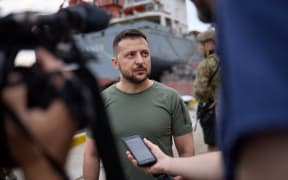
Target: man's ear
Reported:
[(115, 63)]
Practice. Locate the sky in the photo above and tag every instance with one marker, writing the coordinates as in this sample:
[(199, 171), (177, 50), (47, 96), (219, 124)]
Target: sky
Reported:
[(53, 5), (193, 22)]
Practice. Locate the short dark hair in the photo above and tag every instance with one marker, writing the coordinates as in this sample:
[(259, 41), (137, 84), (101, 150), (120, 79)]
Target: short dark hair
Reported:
[(128, 33)]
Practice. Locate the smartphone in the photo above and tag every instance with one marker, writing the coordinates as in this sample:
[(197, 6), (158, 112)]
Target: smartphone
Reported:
[(139, 150)]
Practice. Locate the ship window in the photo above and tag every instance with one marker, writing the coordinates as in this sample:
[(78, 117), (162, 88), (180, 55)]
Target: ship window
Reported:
[(168, 22), (149, 7)]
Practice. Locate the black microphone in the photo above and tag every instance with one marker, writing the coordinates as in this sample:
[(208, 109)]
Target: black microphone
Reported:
[(82, 18), (26, 29)]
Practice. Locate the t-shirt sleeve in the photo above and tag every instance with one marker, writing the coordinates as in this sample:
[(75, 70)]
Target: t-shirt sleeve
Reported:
[(181, 121)]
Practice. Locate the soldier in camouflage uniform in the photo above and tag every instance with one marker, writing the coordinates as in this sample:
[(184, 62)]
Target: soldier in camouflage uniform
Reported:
[(205, 86)]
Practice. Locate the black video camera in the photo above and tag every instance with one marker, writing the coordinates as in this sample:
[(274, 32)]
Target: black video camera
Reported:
[(29, 30), (55, 32)]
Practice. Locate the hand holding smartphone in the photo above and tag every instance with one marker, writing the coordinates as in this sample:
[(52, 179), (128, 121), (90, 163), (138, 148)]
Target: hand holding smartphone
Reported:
[(139, 150)]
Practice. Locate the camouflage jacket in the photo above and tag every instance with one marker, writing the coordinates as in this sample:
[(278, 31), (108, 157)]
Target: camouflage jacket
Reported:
[(207, 67)]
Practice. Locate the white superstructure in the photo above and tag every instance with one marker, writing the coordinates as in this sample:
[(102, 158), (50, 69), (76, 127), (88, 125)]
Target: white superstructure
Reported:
[(171, 13)]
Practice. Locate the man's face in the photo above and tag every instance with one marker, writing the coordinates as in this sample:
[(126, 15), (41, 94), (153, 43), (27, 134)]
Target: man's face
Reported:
[(207, 46), (205, 10), (133, 59)]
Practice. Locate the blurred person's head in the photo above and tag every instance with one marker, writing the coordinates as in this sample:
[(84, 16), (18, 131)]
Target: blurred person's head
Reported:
[(132, 56), (205, 9), (207, 42)]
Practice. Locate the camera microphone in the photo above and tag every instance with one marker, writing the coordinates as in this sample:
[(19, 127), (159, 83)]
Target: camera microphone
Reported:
[(82, 18), (27, 29)]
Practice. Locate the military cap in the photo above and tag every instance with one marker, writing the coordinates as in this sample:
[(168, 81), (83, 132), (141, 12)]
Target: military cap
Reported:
[(206, 35)]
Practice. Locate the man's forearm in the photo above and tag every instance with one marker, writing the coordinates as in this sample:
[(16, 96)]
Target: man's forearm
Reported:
[(187, 154), (91, 164), (185, 145), (91, 170), (205, 166)]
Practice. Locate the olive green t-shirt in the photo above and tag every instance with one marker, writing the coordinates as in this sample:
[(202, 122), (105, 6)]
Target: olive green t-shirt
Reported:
[(158, 113)]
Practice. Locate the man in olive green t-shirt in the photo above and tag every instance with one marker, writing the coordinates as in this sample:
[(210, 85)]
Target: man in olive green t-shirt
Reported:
[(138, 105)]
